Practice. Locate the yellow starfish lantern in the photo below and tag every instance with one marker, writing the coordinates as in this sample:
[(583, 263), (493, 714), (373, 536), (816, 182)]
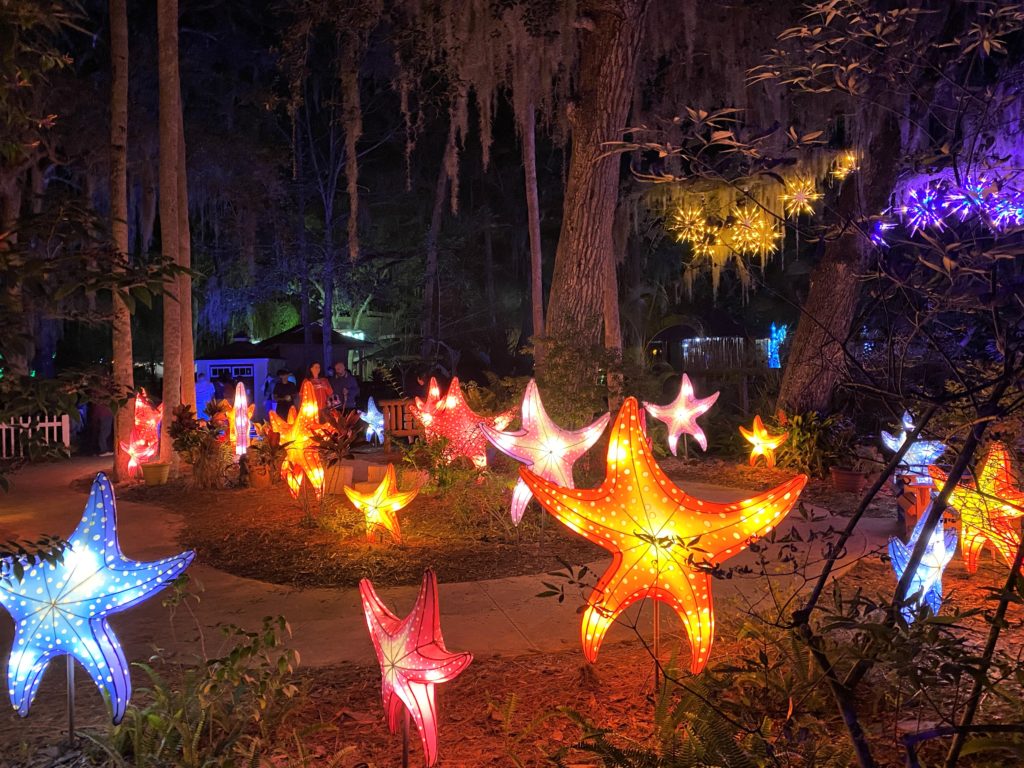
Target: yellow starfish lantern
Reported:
[(381, 507), (763, 443), (988, 510), (662, 540), (302, 459)]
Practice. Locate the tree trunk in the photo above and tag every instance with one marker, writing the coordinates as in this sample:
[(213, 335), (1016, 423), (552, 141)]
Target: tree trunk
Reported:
[(529, 139), (121, 326), (305, 311), (489, 292), (428, 329), (816, 361), (353, 117), (170, 108), (608, 58), (147, 206), (612, 320), (327, 316), (19, 348), (188, 351)]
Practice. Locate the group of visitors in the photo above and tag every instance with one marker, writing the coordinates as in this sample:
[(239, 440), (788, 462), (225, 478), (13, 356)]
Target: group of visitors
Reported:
[(338, 392)]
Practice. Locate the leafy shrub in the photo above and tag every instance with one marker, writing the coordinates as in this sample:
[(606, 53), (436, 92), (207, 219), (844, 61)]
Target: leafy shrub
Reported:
[(202, 443)]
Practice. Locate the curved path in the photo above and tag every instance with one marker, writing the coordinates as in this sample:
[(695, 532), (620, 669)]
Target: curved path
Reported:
[(495, 617)]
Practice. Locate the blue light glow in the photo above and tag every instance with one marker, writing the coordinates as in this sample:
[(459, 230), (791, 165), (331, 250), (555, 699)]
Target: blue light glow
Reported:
[(374, 422), (776, 337), (927, 579), (919, 455), (61, 609)]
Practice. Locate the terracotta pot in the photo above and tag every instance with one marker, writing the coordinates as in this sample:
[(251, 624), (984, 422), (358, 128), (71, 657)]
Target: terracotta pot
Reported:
[(259, 476), (847, 480), (156, 473)]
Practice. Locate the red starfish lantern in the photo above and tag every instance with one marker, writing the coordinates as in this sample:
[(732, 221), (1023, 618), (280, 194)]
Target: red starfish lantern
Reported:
[(382, 505), (412, 659), (302, 457), (661, 539), (988, 510), (144, 441), (451, 417)]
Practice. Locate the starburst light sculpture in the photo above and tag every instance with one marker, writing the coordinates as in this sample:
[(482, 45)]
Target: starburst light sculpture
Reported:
[(762, 443), (662, 540), (800, 196), (374, 421), (927, 579), (413, 659), (990, 510), (382, 505), (919, 455), (542, 445), (302, 459), (680, 416), (61, 609), (451, 418)]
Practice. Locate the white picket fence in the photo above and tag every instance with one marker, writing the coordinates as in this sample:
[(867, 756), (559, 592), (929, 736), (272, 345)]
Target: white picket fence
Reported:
[(49, 429)]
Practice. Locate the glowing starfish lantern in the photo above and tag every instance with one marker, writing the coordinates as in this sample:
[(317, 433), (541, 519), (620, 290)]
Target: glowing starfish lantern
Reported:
[(988, 511), (919, 455), (680, 416), (413, 659), (451, 417), (660, 537), (800, 195), (374, 422), (302, 457), (61, 609), (144, 441), (763, 444), (381, 507), (542, 445), (927, 579), (241, 420), (776, 338)]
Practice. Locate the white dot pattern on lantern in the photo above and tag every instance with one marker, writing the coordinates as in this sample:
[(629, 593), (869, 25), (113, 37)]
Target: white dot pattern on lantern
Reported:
[(412, 659), (374, 421), (926, 581), (680, 416), (653, 529), (61, 609), (919, 455), (451, 417), (543, 446)]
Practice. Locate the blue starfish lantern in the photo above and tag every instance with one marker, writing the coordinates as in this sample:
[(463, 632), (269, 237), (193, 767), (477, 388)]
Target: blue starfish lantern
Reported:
[(61, 609), (919, 455), (374, 421), (927, 580), (776, 336)]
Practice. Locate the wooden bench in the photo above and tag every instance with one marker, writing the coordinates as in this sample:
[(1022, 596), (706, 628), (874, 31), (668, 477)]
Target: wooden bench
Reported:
[(399, 421)]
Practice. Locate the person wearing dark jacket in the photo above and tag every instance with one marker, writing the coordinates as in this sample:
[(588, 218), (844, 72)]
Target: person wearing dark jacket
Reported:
[(345, 387), (285, 394)]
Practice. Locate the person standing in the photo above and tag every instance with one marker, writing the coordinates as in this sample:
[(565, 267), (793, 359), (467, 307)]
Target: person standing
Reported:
[(285, 394), (345, 387), (204, 392), (321, 386)]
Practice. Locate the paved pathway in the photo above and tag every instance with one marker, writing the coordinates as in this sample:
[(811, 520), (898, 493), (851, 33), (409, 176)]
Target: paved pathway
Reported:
[(499, 617)]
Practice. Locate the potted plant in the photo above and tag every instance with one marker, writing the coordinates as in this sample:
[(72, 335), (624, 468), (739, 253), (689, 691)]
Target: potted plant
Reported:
[(334, 441), (156, 472), (203, 444), (265, 457), (851, 474)]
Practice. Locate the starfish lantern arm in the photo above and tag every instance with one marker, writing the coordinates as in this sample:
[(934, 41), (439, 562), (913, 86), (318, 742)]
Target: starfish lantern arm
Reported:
[(521, 496), (899, 553), (892, 442)]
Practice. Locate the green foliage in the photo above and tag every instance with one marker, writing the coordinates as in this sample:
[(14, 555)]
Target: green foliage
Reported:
[(266, 450), (814, 442), (340, 430), (572, 381), (223, 712), (500, 393), (203, 444), (16, 556), (429, 456)]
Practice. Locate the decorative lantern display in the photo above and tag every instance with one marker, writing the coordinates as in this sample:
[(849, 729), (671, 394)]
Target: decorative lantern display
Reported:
[(241, 420), (919, 455), (451, 417), (144, 442), (800, 196), (762, 443), (927, 579), (680, 416), (988, 511), (381, 507), (542, 445), (662, 540), (413, 659), (776, 338), (61, 609), (374, 420), (302, 459)]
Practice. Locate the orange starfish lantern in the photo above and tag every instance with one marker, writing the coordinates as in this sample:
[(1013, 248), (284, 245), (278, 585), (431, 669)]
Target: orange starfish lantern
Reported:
[(413, 659), (302, 457), (381, 507), (764, 444), (144, 441), (451, 417), (988, 510), (241, 420), (661, 539)]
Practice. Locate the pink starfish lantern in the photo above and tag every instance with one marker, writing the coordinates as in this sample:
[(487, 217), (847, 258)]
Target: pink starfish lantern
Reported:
[(680, 416), (412, 659), (542, 445), (451, 417)]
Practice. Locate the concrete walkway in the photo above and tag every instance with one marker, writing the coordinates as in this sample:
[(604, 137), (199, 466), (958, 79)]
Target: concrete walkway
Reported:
[(495, 617)]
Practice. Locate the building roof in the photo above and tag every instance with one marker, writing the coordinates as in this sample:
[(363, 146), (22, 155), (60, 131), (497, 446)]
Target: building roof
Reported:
[(240, 348), (297, 336)]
